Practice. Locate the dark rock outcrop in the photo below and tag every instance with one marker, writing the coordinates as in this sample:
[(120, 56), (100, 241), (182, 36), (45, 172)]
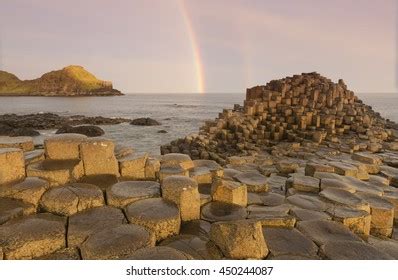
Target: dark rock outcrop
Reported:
[(145, 122), (24, 131), (88, 130), (6, 130), (25, 125)]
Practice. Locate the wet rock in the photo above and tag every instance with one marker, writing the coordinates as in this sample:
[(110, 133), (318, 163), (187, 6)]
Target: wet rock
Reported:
[(132, 167), (12, 208), (351, 250), (229, 192), (63, 146), (12, 166), (123, 193), (88, 130), (281, 241), (70, 199), (32, 236), (221, 211), (254, 181), (116, 243), (145, 122), (162, 131), (160, 216), (183, 191), (197, 247), (322, 231), (30, 190), (57, 172), (88, 222), (239, 239), (344, 198), (23, 143)]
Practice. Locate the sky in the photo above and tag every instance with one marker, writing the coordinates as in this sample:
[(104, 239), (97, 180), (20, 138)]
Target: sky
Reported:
[(196, 46)]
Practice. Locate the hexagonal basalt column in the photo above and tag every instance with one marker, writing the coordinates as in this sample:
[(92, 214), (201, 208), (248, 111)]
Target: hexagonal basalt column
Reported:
[(229, 192), (63, 146), (239, 239), (12, 164), (183, 191), (160, 216), (98, 157)]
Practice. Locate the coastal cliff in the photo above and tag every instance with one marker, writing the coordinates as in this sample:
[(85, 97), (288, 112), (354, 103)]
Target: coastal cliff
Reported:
[(70, 81)]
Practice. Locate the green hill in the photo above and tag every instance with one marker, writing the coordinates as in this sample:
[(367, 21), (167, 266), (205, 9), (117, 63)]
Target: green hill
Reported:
[(69, 81)]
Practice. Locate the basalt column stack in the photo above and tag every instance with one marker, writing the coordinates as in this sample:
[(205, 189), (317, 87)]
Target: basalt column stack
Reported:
[(306, 107)]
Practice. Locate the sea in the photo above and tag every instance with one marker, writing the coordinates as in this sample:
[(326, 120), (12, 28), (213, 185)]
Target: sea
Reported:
[(179, 114)]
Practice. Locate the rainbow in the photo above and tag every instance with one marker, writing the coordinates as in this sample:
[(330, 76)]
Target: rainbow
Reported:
[(200, 78)]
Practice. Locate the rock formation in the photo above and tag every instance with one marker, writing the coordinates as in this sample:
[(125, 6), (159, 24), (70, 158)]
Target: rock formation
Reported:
[(26, 125), (70, 81), (112, 203), (303, 108)]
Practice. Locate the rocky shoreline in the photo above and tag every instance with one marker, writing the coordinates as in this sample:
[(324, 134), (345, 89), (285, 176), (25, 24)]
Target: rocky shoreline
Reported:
[(25, 125), (315, 177)]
